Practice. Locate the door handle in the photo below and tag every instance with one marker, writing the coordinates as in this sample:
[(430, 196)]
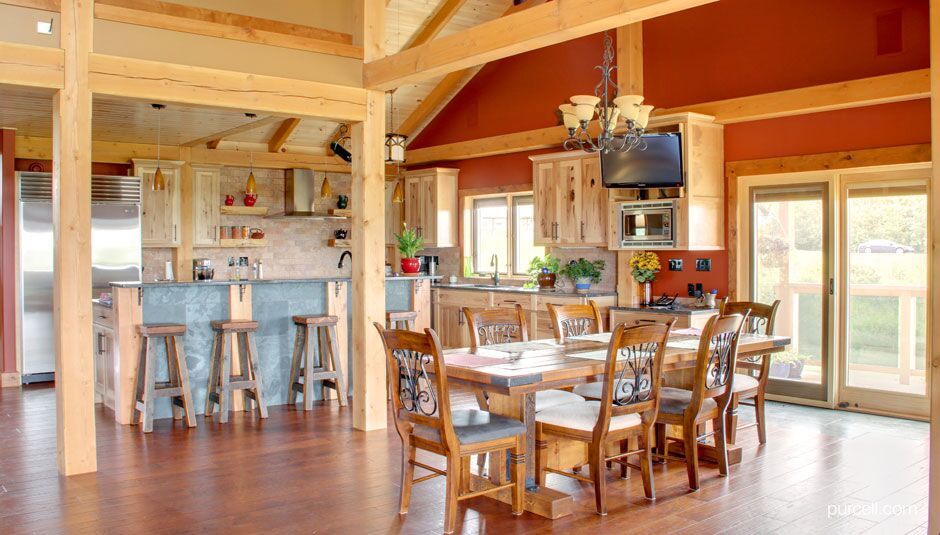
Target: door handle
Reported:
[(582, 231)]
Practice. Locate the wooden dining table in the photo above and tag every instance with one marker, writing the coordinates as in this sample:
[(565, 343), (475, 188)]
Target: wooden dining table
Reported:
[(512, 373)]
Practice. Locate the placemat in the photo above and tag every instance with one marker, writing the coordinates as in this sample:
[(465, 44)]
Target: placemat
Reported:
[(468, 360), (599, 337)]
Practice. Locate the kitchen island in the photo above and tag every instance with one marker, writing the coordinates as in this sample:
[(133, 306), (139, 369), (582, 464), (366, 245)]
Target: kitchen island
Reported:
[(271, 303)]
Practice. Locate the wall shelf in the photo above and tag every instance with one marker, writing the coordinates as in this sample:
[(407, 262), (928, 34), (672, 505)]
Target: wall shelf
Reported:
[(341, 212), (259, 242), (244, 210), (340, 244)]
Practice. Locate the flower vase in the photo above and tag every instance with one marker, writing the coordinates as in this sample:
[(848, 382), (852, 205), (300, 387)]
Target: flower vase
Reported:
[(647, 293)]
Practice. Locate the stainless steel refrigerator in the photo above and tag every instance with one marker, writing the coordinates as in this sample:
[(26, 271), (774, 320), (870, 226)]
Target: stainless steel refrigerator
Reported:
[(115, 256)]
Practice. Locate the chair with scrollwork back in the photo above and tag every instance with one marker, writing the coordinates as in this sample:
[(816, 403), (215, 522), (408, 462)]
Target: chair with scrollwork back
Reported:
[(706, 399), (575, 320), (752, 383), (627, 408), (496, 326), (424, 419)]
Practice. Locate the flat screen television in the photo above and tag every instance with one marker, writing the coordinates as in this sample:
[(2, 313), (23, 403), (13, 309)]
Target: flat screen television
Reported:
[(659, 166)]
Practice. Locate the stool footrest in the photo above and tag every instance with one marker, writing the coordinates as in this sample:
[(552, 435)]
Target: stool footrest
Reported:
[(168, 392)]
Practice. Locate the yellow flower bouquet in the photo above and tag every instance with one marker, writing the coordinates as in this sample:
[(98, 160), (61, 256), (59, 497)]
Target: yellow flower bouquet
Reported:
[(645, 265)]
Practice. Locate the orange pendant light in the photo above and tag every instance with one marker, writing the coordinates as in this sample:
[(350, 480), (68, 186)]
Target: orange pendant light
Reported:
[(159, 183), (325, 190), (251, 187)]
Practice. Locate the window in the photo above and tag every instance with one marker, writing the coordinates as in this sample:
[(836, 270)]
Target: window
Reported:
[(503, 226)]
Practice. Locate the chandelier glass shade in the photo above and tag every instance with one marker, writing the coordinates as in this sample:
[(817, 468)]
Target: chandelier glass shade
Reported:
[(621, 120)]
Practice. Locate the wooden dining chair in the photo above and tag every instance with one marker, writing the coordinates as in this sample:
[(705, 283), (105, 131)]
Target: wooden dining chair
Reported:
[(752, 383), (707, 398), (424, 420), (627, 409), (502, 326), (575, 320)]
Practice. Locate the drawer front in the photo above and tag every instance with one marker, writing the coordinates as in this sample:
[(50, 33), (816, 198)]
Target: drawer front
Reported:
[(642, 318), (102, 315), (510, 301), (461, 298), (544, 300)]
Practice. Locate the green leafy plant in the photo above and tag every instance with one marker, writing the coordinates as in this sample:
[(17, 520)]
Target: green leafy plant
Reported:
[(547, 263), (583, 269), (409, 243), (789, 357)]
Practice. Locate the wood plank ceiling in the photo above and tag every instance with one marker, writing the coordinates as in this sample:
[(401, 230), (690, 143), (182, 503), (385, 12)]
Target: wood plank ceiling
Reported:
[(114, 119)]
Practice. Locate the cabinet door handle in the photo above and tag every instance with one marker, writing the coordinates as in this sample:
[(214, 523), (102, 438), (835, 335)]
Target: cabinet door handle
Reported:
[(100, 345), (640, 322), (174, 232), (582, 231)]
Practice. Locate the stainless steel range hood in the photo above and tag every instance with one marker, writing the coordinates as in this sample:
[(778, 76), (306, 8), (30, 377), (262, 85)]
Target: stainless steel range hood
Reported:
[(300, 195)]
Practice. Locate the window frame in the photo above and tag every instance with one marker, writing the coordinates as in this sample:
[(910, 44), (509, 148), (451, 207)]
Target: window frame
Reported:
[(508, 269)]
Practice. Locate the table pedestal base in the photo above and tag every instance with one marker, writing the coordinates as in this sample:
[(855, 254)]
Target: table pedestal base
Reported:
[(543, 501)]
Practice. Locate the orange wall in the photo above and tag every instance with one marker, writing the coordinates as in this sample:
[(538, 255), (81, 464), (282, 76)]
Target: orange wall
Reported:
[(723, 50)]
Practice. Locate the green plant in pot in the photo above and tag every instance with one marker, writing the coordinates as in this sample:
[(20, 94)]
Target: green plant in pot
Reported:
[(543, 269), (583, 273), (409, 243)]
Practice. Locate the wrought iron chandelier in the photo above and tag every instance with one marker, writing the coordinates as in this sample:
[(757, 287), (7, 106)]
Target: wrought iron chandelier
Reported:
[(609, 108)]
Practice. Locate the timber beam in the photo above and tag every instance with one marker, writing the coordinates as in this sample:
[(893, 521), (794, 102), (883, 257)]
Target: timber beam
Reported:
[(32, 66), (282, 134), (536, 27)]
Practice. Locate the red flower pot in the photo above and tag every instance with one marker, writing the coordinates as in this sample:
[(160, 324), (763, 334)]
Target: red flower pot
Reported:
[(410, 265)]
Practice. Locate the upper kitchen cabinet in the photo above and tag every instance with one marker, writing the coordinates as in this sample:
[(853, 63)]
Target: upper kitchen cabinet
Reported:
[(207, 202), (698, 221), (431, 205), (160, 210), (570, 200)]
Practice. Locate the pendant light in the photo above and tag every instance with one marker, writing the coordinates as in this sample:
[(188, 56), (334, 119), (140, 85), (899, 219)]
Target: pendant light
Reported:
[(394, 142), (398, 196), (251, 187), (325, 190), (159, 183)]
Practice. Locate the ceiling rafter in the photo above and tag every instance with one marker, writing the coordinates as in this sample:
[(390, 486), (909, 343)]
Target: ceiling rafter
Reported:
[(212, 140), (448, 87), (282, 134)]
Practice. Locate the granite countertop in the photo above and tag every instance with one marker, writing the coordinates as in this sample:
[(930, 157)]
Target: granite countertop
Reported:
[(681, 310), (99, 302), (521, 290), (226, 282)]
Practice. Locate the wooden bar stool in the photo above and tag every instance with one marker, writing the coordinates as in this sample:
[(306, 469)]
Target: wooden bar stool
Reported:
[(401, 319), (314, 365), (176, 388), (222, 384)]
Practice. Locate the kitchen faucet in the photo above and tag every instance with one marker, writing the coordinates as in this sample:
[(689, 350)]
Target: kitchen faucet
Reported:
[(494, 261), (343, 257)]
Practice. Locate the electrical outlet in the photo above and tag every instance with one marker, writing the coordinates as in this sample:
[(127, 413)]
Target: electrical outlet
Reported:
[(691, 290), (703, 264), (675, 264)]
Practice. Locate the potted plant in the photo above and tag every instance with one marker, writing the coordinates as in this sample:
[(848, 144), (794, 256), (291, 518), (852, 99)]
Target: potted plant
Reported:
[(583, 273), (644, 266), (543, 269), (787, 365), (409, 243)]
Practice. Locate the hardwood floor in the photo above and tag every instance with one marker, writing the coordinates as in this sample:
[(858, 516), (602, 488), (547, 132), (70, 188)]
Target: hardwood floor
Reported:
[(821, 472)]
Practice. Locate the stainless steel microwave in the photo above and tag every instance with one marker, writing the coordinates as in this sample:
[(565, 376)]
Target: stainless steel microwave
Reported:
[(647, 224)]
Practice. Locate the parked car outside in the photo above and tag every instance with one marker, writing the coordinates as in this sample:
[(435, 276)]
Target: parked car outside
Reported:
[(883, 246)]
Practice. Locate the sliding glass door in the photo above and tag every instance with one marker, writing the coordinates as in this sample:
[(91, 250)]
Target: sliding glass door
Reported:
[(885, 297), (790, 262)]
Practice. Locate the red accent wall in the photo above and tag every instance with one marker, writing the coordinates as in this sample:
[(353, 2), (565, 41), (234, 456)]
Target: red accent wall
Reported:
[(7, 252), (722, 50)]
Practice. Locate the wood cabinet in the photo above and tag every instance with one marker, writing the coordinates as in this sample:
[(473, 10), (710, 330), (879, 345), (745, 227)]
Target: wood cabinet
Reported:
[(207, 202), (103, 351), (159, 210), (638, 317), (570, 200), (451, 325), (431, 205), (699, 223)]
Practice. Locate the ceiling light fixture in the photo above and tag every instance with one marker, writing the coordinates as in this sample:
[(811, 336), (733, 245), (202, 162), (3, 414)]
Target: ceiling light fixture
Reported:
[(159, 183), (609, 108), (394, 142)]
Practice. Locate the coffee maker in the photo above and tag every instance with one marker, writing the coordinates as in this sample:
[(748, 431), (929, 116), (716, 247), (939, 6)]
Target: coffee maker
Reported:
[(427, 264)]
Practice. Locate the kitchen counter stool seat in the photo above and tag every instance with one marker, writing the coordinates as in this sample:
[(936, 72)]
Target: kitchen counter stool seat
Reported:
[(322, 365), (401, 319), (176, 387), (222, 383)]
